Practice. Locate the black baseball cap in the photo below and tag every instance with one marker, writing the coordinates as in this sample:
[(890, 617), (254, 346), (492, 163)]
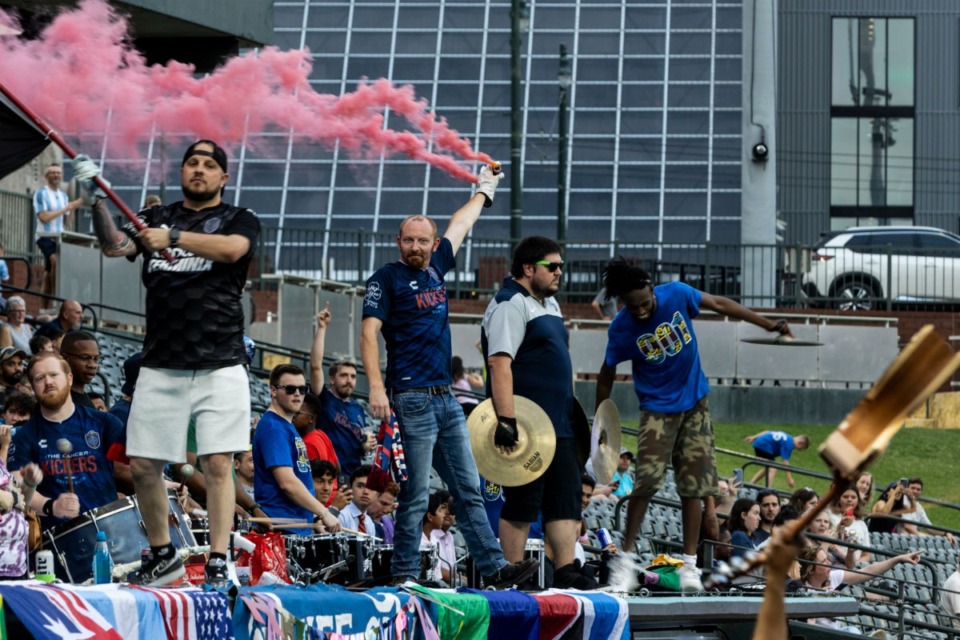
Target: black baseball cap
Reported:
[(218, 154)]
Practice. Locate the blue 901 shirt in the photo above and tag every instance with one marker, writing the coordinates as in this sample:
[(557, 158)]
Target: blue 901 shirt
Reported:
[(412, 304), (277, 444), (667, 375), (775, 443)]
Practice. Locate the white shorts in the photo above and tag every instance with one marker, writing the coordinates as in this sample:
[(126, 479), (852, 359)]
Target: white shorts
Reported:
[(167, 399)]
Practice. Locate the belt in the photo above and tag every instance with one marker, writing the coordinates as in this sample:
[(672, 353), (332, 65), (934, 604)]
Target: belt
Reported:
[(435, 390)]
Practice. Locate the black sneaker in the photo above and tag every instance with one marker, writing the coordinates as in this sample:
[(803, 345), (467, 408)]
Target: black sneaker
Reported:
[(156, 572), (571, 577), (216, 575), (512, 574)]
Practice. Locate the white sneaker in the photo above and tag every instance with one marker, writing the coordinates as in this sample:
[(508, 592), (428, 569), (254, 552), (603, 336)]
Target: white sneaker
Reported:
[(624, 573), (690, 579)]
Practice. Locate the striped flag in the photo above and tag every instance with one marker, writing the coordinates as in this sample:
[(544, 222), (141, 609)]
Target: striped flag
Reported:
[(192, 614)]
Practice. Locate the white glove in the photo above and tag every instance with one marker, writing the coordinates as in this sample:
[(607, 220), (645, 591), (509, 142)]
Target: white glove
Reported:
[(487, 183), (85, 170)]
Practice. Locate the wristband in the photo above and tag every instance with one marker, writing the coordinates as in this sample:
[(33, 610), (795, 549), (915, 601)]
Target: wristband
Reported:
[(255, 506), (16, 500), (47, 508)]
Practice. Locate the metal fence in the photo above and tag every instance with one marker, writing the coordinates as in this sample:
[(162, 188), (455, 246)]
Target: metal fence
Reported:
[(16, 222), (352, 256)]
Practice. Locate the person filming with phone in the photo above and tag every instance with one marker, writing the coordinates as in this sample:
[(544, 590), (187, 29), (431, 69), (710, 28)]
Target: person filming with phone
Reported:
[(893, 502)]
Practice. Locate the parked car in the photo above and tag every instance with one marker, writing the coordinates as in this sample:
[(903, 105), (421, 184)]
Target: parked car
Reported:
[(859, 268)]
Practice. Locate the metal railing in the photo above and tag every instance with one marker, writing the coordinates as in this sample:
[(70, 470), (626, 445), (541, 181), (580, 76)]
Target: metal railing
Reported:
[(16, 222)]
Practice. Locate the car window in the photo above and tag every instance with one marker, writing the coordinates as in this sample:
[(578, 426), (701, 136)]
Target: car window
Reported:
[(938, 244), (879, 242)]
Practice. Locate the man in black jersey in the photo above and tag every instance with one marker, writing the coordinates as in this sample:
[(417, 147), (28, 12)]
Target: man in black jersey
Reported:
[(193, 356)]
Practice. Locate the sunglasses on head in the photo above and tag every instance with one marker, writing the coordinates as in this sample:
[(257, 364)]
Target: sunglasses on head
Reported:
[(551, 266), (291, 389)]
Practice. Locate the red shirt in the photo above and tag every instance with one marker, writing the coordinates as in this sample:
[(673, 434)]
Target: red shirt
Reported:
[(319, 447)]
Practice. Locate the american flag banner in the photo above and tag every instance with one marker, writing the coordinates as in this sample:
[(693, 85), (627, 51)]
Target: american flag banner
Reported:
[(192, 614), (58, 614)]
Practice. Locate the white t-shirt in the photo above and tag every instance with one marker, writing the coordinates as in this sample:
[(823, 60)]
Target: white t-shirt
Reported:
[(951, 601)]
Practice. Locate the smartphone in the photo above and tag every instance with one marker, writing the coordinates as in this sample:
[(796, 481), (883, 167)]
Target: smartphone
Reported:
[(738, 476), (904, 482), (344, 481), (849, 513)]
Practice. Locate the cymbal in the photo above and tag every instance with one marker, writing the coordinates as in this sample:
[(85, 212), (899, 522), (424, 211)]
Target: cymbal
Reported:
[(605, 441), (581, 432), (532, 455), (783, 341)]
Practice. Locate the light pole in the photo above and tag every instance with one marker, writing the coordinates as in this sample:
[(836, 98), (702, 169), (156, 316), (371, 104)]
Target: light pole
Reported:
[(519, 22), (564, 79)]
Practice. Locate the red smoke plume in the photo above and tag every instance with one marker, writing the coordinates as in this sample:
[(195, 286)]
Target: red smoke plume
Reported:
[(83, 77)]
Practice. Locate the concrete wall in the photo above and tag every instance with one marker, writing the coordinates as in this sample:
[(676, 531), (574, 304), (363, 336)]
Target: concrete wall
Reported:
[(763, 405)]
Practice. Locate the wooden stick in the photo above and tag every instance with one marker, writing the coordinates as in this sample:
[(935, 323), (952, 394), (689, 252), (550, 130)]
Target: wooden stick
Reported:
[(276, 520)]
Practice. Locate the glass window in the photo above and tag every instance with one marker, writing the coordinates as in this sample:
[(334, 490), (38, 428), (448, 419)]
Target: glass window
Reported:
[(873, 62), (843, 161)]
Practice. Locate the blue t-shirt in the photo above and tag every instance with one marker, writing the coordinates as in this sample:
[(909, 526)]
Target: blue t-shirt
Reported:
[(493, 502), (121, 409), (97, 437), (412, 304), (534, 336), (775, 443), (276, 443), (741, 543), (343, 422), (667, 375)]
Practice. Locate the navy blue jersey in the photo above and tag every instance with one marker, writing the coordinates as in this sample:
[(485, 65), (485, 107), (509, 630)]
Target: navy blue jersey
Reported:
[(276, 443), (98, 439), (412, 304), (534, 336), (343, 422)]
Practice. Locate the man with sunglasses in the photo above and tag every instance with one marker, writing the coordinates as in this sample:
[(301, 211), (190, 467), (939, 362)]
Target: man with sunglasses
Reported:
[(407, 302), (82, 352), (654, 330), (525, 344), (282, 481), (194, 360)]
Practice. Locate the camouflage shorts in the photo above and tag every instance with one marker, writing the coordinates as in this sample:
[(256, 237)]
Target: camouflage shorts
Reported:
[(686, 439)]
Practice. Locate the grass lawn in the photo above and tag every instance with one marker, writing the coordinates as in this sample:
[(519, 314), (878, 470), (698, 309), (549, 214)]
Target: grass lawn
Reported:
[(913, 452)]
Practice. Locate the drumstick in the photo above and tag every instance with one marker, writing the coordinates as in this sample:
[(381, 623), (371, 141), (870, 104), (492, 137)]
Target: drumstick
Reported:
[(274, 520), (65, 447), (186, 471)]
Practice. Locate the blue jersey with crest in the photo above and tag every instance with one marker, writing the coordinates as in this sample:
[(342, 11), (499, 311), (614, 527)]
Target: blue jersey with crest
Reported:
[(667, 375), (276, 443), (412, 304), (97, 439)]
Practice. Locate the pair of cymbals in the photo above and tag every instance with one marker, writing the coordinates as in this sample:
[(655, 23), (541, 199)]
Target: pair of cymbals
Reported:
[(537, 442)]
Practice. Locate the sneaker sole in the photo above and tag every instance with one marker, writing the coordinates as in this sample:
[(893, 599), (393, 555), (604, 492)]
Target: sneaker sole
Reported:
[(167, 578)]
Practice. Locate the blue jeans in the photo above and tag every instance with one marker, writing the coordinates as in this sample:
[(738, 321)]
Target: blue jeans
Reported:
[(434, 433)]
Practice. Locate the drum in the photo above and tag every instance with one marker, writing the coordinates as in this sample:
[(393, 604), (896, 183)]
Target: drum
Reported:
[(335, 558), (381, 559), (200, 528), (181, 528), (73, 542)]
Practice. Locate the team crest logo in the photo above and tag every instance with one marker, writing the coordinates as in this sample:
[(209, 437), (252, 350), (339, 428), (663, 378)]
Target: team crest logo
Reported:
[(372, 297), (492, 491), (413, 285), (92, 439), (211, 225)]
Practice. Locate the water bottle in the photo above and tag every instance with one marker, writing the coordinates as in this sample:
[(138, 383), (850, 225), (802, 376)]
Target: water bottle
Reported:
[(102, 562)]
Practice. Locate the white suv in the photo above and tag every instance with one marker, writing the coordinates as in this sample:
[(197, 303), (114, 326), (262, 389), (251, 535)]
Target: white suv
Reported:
[(861, 267)]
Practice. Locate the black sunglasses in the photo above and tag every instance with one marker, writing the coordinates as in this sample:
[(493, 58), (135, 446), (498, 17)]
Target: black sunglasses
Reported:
[(551, 266), (291, 389)]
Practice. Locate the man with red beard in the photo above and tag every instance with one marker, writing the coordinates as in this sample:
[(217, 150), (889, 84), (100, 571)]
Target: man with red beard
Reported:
[(97, 440)]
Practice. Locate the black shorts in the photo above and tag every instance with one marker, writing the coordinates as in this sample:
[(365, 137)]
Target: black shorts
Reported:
[(763, 454), (561, 502), (48, 247)]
